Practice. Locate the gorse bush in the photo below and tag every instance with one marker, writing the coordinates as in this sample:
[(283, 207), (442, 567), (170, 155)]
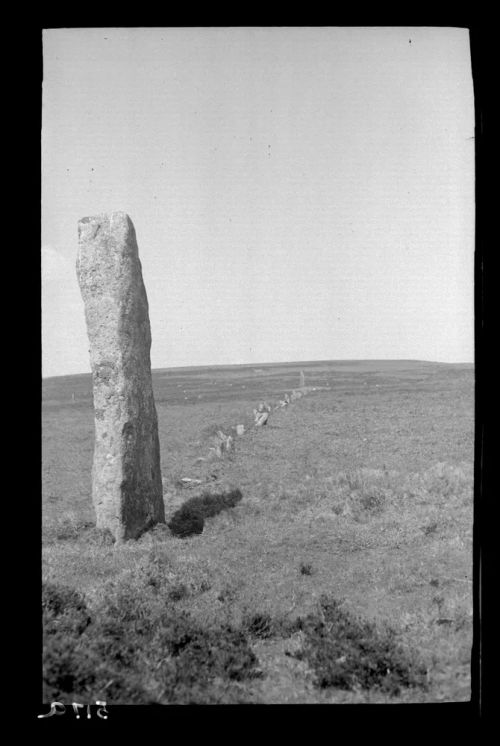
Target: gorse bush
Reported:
[(136, 647), (259, 625), (190, 518), (57, 599), (347, 652), (63, 610), (196, 656), (130, 651)]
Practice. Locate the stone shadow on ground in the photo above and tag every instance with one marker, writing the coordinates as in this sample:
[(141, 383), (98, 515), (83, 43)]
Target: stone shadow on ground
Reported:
[(190, 518)]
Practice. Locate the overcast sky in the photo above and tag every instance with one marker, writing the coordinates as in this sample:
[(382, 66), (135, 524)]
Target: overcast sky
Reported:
[(297, 193)]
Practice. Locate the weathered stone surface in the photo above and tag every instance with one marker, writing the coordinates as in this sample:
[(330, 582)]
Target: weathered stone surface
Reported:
[(223, 443), (126, 474), (261, 419)]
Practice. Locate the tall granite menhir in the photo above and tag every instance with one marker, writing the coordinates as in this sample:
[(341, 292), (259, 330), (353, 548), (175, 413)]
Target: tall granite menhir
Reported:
[(126, 475)]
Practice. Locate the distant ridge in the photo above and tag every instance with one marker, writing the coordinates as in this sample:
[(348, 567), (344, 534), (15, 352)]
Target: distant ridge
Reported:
[(312, 363), (292, 364)]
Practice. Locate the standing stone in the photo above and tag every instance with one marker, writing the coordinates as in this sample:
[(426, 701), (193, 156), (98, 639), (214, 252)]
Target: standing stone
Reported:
[(126, 474), (261, 418)]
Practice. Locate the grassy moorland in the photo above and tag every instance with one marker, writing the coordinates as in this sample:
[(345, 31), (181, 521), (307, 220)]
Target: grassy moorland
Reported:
[(341, 574)]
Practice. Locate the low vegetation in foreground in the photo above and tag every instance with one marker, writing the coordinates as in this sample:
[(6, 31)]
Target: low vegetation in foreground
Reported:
[(328, 559), (139, 647)]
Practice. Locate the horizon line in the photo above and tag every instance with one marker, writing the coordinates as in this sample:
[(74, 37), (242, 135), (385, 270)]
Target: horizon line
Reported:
[(270, 364)]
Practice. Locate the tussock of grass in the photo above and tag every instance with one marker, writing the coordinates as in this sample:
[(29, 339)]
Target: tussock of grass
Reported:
[(213, 429), (349, 653), (71, 529), (178, 592), (165, 579), (366, 493), (67, 528), (306, 568), (263, 626)]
